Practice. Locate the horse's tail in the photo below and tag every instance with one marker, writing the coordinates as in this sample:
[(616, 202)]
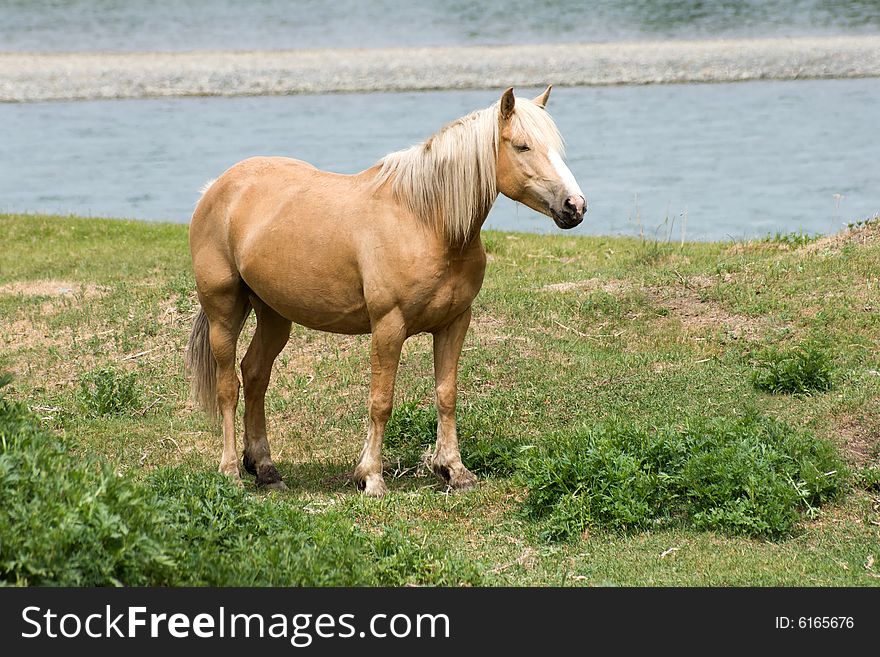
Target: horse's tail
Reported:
[(201, 365)]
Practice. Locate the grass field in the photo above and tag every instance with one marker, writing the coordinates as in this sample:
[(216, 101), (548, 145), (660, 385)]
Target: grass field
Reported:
[(640, 412)]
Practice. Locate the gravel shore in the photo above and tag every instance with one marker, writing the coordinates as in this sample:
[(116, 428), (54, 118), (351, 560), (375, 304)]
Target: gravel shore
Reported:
[(26, 77)]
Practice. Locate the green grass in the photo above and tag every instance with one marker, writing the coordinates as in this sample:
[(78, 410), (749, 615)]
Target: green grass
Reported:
[(800, 370), (68, 522), (608, 398), (793, 239), (750, 476), (107, 391)]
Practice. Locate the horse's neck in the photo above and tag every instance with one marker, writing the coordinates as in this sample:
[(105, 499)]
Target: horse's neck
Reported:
[(476, 222)]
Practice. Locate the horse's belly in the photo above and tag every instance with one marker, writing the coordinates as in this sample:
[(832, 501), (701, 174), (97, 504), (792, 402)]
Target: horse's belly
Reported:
[(334, 308), (351, 319)]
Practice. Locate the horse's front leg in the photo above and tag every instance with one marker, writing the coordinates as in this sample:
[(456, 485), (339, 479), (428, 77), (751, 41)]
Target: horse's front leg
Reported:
[(446, 461), (388, 336)]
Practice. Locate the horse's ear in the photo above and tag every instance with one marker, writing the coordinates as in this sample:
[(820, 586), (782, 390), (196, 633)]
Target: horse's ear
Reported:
[(508, 102), (541, 101)]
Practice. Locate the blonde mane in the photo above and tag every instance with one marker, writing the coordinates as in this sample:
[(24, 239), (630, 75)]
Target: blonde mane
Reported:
[(448, 181)]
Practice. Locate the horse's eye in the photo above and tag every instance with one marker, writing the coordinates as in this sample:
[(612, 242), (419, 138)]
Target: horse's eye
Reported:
[(522, 148)]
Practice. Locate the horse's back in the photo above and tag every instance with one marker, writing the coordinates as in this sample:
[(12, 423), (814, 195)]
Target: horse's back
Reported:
[(285, 228), (258, 194)]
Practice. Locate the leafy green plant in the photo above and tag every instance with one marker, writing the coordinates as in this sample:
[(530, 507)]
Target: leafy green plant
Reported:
[(804, 369), (869, 478), (751, 476), (484, 430), (411, 430), (867, 222), (70, 521), (488, 456), (792, 239), (108, 391)]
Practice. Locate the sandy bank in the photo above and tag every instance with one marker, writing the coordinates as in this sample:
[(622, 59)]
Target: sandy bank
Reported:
[(37, 77)]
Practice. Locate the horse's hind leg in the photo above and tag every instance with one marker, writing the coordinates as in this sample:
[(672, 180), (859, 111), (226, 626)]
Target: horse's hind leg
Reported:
[(446, 461), (226, 307), (271, 335)]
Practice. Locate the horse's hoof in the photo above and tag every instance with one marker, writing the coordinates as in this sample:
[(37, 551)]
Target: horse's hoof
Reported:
[(463, 480), (275, 485), (374, 486), (458, 478), (268, 478)]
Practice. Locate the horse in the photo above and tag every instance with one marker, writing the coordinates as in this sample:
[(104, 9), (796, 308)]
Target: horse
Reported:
[(391, 251)]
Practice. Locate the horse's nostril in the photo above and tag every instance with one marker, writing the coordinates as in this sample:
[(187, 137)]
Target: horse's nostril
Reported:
[(576, 204)]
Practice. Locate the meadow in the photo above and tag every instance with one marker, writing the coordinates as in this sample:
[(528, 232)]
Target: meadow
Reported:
[(640, 412)]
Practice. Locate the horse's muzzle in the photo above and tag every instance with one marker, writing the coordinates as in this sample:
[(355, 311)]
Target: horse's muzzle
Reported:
[(572, 212)]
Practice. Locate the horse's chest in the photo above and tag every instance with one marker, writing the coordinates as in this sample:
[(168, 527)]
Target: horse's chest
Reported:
[(437, 298)]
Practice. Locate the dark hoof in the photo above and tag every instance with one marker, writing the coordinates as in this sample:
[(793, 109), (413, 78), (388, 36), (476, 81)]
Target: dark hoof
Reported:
[(441, 471), (268, 478), (249, 464), (464, 482), (459, 479)]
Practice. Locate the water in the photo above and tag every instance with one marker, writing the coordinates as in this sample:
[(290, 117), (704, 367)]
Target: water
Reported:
[(125, 25), (730, 160)]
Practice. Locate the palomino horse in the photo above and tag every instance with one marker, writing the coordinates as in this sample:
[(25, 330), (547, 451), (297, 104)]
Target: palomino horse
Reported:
[(394, 250)]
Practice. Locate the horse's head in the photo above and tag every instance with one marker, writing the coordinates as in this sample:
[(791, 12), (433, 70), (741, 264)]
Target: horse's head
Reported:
[(530, 165)]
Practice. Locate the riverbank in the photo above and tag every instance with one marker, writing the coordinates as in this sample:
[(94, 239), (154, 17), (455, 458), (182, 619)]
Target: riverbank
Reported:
[(572, 337), (32, 77)]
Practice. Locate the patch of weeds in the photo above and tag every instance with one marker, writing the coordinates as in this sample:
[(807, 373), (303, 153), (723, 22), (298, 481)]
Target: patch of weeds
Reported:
[(486, 447), (490, 243), (108, 391), (411, 430), (403, 557), (232, 538), (493, 457), (599, 305), (72, 522), (792, 239), (723, 267), (651, 251), (869, 479), (752, 476), (801, 370), (864, 223)]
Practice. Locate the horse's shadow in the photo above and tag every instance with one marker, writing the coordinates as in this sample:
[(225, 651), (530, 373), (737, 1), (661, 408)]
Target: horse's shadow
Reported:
[(334, 477)]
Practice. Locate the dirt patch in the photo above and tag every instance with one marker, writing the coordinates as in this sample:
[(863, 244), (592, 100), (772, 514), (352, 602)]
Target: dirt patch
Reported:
[(698, 315), (700, 282), (684, 302), (489, 327), (489, 330), (859, 439), (307, 350), (52, 288), (588, 285), (25, 334), (864, 234)]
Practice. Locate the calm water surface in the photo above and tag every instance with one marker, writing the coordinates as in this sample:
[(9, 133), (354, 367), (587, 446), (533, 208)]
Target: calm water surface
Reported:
[(731, 160), (122, 25)]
